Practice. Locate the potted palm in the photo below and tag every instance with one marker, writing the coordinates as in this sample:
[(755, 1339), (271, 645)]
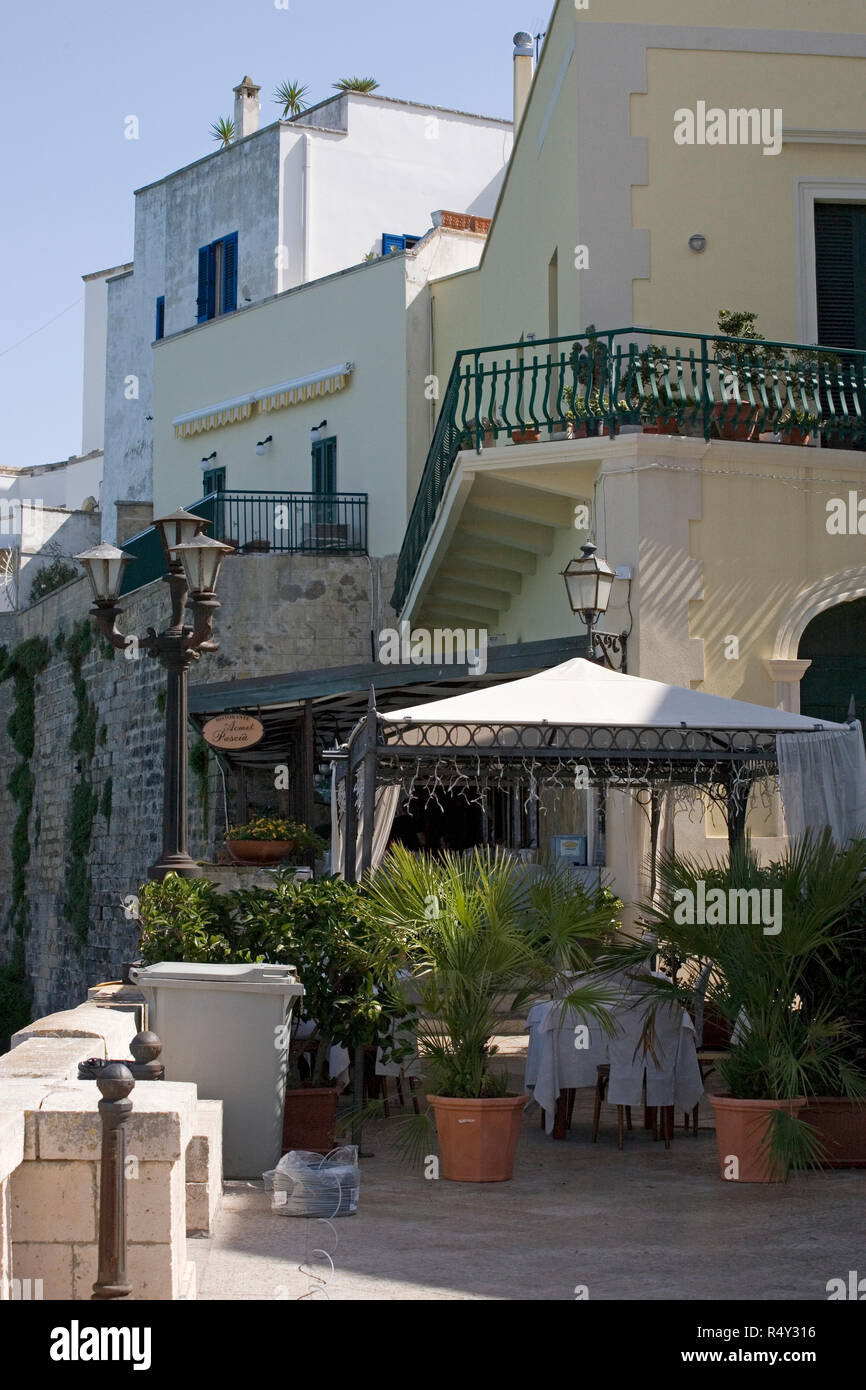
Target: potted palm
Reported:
[(481, 931), (787, 1045), (267, 840)]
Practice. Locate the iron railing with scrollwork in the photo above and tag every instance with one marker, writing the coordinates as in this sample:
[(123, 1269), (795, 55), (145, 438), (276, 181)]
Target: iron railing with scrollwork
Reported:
[(598, 382)]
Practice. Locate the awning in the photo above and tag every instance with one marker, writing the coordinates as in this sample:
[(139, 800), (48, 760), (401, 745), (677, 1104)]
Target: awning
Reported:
[(270, 398)]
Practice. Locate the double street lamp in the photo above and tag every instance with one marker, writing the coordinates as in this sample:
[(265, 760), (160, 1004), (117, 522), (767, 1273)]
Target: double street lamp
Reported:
[(193, 562)]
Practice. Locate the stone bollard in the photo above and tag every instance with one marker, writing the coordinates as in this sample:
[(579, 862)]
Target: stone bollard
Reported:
[(145, 1048), (115, 1082)]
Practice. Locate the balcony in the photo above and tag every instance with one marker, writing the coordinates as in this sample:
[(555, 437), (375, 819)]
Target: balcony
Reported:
[(285, 523), (638, 378)]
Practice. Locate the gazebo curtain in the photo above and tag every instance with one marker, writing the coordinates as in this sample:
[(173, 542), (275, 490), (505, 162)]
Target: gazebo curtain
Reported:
[(823, 782), (387, 801)]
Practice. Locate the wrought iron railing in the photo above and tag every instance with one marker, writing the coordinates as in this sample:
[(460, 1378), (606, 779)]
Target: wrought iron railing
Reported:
[(597, 382), (288, 523)]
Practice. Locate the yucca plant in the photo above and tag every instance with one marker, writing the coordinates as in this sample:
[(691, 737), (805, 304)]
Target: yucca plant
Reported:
[(356, 84), (223, 131), (789, 1041), (290, 95)]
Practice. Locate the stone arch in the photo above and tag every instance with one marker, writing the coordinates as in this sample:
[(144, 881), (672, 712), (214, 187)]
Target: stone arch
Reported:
[(825, 593)]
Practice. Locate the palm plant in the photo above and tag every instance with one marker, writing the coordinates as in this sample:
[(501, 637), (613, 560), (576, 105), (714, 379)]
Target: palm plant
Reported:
[(290, 95), (479, 929), (790, 1040), (356, 84), (223, 131)]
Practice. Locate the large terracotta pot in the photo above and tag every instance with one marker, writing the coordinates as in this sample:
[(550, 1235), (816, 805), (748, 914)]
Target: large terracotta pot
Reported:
[(742, 1133), (734, 420), (478, 1138), (259, 851), (309, 1119), (841, 1126)]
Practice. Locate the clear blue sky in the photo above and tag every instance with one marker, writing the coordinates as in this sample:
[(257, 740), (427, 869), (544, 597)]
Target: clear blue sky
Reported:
[(74, 71)]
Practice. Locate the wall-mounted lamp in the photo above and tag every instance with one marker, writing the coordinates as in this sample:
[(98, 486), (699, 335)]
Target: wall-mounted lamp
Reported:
[(206, 463), (316, 431), (263, 444), (697, 243)]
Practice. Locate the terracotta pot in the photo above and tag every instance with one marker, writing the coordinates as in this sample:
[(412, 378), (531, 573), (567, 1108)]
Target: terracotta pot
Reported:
[(478, 1138), (742, 1133), (525, 436), (733, 421), (663, 425), (800, 437), (841, 1126), (259, 851), (309, 1119)]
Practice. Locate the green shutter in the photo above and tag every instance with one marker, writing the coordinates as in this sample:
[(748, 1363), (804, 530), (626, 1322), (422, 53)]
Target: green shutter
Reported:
[(840, 272)]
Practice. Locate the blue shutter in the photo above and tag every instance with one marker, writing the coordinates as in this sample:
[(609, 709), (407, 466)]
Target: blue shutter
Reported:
[(230, 273), (160, 317), (206, 286), (392, 243)]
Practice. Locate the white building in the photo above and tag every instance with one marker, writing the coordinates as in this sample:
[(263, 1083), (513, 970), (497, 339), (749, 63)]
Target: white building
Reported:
[(350, 179)]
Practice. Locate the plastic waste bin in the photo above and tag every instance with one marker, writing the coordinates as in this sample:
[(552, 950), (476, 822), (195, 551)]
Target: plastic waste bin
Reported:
[(226, 1027)]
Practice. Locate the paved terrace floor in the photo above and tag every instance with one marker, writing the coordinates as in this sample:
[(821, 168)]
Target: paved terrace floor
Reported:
[(644, 1224)]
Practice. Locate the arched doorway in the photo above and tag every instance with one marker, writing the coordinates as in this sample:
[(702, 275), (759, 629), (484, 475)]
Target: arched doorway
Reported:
[(835, 643)]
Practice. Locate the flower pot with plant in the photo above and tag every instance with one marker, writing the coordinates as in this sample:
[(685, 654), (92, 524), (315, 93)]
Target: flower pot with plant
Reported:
[(267, 840), (742, 368), (789, 1043), (479, 929)]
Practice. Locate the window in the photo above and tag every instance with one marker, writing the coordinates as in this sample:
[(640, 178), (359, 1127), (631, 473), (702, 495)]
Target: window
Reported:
[(160, 317), (840, 255), (218, 278), (397, 243), (325, 479), (214, 481)]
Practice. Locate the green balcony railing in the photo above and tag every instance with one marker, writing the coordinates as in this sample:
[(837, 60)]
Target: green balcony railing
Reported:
[(288, 523), (599, 381)]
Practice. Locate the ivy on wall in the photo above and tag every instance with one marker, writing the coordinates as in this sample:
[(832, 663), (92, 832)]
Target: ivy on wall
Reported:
[(199, 763), (22, 666), (85, 802)]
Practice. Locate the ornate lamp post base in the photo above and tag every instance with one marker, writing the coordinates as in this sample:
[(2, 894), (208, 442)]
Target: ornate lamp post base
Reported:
[(179, 864)]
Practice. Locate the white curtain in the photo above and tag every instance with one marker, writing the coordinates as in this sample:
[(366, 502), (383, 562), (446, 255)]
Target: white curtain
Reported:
[(823, 781), (387, 801)]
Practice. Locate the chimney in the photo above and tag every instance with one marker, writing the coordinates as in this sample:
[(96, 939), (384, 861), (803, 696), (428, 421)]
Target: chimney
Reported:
[(246, 108), (524, 67)]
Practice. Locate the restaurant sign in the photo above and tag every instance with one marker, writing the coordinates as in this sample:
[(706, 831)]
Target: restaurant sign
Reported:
[(233, 732)]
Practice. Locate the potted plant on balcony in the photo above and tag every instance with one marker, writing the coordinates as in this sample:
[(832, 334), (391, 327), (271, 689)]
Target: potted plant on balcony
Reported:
[(797, 427), (481, 935), (740, 367), (268, 840), (788, 1045)]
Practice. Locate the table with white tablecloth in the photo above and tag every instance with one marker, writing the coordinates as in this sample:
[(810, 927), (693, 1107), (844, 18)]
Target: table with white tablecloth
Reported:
[(566, 1048)]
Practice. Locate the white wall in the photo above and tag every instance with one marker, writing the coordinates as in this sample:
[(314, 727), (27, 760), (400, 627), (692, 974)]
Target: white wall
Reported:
[(95, 343)]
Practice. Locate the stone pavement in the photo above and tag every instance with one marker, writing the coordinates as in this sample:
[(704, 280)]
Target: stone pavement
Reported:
[(643, 1224)]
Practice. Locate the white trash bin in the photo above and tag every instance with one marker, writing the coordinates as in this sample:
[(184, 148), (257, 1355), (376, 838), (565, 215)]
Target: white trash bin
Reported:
[(226, 1027)]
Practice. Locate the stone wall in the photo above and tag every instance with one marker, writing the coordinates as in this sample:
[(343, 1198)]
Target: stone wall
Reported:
[(280, 614)]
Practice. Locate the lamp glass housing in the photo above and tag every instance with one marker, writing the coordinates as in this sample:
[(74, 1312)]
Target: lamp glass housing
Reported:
[(201, 558), (104, 566), (178, 528), (589, 581)]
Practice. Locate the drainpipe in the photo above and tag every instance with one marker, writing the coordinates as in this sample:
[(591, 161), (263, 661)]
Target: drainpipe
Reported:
[(307, 202)]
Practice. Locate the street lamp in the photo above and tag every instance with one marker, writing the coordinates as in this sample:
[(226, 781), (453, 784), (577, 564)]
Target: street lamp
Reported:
[(589, 582), (193, 562)]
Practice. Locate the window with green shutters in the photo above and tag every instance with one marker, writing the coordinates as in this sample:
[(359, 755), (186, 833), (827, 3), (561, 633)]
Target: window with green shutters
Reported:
[(840, 271)]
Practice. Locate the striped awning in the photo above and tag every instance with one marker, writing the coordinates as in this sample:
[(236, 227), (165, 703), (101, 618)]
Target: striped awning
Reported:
[(279, 397)]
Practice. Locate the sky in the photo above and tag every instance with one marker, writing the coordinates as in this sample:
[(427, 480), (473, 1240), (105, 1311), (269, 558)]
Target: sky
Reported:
[(73, 73)]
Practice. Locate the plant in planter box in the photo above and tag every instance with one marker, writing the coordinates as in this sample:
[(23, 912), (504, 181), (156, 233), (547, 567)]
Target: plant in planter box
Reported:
[(268, 839), (479, 930), (789, 1041)]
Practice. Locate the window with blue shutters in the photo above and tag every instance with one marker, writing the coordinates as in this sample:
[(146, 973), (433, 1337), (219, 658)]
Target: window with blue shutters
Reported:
[(160, 317), (390, 242), (218, 278)]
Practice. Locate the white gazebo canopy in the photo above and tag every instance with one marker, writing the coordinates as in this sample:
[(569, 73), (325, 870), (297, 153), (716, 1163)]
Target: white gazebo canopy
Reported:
[(582, 692)]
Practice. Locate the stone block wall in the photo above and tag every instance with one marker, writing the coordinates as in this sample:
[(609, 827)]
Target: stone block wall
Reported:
[(280, 614)]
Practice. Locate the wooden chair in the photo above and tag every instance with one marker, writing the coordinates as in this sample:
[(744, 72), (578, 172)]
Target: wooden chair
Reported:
[(622, 1111)]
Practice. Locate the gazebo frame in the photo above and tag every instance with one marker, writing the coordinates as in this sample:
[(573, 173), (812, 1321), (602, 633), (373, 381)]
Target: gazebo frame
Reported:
[(382, 750)]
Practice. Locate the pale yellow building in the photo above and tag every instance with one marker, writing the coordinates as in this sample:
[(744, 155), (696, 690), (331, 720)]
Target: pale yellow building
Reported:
[(670, 163)]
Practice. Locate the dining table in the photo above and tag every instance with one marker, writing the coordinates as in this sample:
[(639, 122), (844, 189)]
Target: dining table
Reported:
[(566, 1049)]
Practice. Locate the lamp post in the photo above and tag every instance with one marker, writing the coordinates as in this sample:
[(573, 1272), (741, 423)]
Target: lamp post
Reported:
[(193, 562), (589, 582)]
